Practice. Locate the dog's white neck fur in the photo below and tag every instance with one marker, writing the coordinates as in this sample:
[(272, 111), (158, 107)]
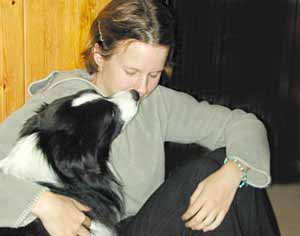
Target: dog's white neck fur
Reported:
[(99, 229), (26, 161)]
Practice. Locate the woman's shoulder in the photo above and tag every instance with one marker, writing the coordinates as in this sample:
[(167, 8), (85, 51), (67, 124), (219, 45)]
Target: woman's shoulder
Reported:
[(165, 93), (163, 98)]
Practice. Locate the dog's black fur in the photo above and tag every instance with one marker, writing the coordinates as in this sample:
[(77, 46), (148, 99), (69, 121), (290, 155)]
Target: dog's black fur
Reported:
[(76, 142)]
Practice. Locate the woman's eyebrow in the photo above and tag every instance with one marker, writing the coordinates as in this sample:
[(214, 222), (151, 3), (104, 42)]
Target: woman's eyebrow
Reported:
[(131, 68)]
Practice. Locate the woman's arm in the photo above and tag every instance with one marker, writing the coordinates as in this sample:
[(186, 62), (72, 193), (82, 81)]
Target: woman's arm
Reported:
[(16, 210), (214, 126)]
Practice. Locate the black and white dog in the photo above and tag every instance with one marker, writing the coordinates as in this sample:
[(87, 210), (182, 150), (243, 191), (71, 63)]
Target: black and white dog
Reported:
[(65, 147)]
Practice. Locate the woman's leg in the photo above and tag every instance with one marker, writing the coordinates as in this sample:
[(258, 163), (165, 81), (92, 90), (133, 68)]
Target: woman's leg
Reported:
[(249, 215)]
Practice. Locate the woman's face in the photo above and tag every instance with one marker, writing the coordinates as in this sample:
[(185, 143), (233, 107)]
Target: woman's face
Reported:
[(136, 66)]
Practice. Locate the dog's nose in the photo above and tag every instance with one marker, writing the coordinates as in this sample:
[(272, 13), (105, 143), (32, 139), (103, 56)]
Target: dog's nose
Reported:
[(135, 95)]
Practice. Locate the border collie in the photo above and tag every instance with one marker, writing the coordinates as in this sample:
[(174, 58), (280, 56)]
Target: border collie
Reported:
[(65, 147)]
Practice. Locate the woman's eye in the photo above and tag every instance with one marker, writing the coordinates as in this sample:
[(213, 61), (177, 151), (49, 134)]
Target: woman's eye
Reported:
[(153, 76), (130, 73)]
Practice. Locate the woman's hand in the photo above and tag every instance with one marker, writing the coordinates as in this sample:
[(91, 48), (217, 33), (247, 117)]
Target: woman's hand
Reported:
[(212, 198), (61, 215)]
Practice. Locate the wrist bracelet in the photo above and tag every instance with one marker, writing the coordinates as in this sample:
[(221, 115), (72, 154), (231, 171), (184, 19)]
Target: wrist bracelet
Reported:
[(242, 169)]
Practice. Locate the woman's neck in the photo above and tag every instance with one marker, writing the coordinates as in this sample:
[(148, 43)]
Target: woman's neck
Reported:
[(97, 82)]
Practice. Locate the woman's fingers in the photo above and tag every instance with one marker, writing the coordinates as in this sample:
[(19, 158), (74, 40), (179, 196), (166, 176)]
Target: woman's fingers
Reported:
[(211, 216), (193, 209), (195, 203), (216, 222), (196, 193), (87, 222), (83, 231), (201, 215), (80, 206)]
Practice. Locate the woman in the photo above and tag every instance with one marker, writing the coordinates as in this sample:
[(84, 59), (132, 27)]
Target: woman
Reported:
[(130, 47)]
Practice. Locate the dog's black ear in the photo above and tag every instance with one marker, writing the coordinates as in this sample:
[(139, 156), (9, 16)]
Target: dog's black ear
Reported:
[(69, 158), (62, 152), (33, 124)]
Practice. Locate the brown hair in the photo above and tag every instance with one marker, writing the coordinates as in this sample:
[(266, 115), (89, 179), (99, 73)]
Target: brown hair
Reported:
[(148, 21)]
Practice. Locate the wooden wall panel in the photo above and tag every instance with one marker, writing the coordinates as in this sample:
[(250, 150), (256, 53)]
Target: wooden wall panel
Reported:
[(55, 34), (11, 56), (36, 37)]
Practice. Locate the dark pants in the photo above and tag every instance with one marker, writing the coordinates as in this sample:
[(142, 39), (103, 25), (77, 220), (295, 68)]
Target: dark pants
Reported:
[(250, 214)]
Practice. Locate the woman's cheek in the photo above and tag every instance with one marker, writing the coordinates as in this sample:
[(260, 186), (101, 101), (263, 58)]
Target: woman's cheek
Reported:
[(154, 84)]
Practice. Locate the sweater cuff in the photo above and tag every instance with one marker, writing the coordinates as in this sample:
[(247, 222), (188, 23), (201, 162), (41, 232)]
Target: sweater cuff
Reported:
[(26, 216), (256, 177)]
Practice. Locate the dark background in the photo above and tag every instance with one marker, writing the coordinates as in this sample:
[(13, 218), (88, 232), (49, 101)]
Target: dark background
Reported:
[(245, 54)]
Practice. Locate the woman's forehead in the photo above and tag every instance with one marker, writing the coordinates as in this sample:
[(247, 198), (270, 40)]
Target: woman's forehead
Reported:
[(140, 54)]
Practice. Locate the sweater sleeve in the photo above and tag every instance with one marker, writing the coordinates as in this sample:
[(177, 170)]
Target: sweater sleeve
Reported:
[(15, 210), (214, 126)]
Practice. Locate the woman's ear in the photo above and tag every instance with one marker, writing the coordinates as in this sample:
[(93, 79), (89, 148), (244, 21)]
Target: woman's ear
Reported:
[(97, 56)]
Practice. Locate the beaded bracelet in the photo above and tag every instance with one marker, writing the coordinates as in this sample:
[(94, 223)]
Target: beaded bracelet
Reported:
[(242, 169)]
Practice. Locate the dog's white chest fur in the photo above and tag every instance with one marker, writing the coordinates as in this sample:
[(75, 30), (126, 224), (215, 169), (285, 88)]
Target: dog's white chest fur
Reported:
[(98, 229), (26, 161)]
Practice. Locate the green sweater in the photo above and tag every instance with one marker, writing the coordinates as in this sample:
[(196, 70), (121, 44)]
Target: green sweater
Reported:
[(137, 154)]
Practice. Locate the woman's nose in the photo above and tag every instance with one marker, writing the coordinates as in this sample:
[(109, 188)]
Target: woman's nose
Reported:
[(142, 88)]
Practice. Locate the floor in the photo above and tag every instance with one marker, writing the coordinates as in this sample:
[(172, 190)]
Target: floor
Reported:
[(286, 203)]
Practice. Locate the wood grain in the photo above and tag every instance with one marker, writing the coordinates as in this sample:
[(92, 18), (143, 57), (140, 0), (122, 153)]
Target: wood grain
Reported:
[(37, 37), (55, 34), (11, 56)]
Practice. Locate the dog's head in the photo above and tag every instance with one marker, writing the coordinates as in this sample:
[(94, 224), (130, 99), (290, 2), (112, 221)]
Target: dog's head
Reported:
[(75, 132)]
